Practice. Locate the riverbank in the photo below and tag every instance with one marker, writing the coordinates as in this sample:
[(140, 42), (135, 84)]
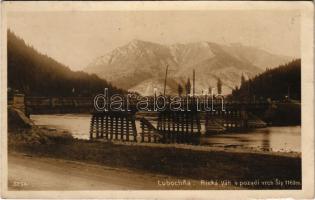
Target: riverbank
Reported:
[(181, 161)]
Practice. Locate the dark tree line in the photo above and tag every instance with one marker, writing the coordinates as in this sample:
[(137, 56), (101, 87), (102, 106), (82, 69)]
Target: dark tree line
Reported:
[(283, 82), (35, 74)]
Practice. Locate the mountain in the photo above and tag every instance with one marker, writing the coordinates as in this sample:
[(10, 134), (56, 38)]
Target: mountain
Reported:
[(140, 65), (35, 74)]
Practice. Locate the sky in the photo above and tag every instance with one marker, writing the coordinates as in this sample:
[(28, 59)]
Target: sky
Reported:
[(76, 38)]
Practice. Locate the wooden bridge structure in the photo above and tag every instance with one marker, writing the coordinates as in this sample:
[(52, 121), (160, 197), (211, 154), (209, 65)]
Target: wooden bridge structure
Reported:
[(50, 105), (231, 120), (179, 126), (172, 126), (113, 126)]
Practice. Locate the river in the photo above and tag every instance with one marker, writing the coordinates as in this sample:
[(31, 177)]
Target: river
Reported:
[(284, 139)]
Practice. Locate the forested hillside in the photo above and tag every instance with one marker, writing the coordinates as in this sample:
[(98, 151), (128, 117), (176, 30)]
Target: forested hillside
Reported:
[(283, 82), (35, 74)]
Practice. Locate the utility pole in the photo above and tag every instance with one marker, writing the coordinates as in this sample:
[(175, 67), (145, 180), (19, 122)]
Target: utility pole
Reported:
[(165, 79), (194, 83)]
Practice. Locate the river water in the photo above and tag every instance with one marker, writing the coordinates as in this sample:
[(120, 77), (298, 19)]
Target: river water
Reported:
[(284, 139)]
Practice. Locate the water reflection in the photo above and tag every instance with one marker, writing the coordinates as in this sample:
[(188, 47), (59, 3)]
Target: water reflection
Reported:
[(266, 139), (270, 138)]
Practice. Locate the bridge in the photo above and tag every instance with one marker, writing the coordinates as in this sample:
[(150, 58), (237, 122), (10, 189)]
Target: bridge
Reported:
[(172, 126), (50, 105)]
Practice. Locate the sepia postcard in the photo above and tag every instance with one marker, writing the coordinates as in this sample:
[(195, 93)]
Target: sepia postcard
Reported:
[(157, 100)]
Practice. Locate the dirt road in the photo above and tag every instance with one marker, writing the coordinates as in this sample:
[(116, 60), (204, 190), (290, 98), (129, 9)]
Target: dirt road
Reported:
[(38, 173)]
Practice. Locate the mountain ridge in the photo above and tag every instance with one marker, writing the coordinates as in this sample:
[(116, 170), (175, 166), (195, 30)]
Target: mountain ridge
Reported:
[(140, 65)]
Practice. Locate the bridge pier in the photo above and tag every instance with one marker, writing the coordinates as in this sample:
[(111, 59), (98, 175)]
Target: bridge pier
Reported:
[(113, 125)]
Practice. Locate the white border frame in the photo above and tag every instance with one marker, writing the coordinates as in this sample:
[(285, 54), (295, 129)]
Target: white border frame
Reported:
[(307, 28)]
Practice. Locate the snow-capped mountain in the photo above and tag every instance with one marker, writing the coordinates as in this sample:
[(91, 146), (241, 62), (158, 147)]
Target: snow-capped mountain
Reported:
[(140, 66)]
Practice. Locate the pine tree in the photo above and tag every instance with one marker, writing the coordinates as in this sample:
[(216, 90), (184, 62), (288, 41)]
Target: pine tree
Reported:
[(219, 86), (188, 87)]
